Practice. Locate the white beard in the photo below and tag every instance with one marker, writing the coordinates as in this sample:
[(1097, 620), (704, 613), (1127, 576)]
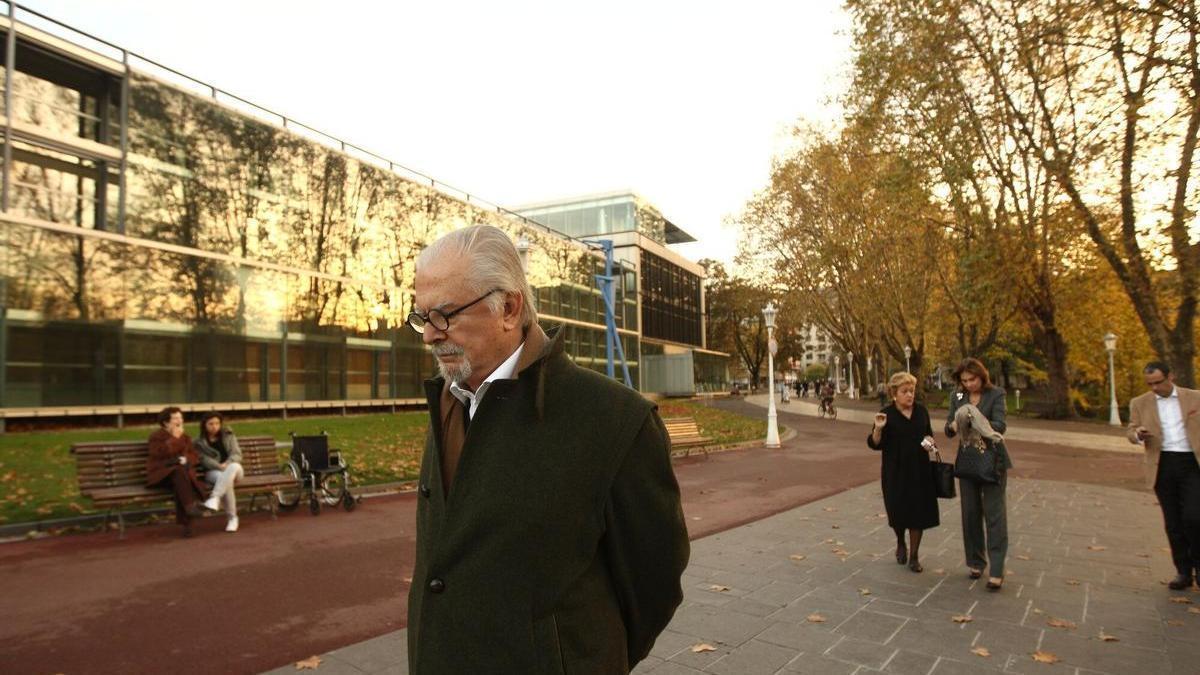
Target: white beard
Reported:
[(457, 374)]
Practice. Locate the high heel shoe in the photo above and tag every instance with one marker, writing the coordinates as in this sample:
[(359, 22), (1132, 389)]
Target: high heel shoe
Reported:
[(915, 565), (974, 573), (995, 584)]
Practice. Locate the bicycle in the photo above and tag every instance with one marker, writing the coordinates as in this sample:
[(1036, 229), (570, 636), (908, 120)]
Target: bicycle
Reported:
[(827, 408)]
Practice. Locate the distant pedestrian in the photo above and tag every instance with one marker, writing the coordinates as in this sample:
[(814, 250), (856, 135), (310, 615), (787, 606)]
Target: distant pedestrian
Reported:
[(550, 534), (1167, 420), (903, 432), (984, 508), (172, 463)]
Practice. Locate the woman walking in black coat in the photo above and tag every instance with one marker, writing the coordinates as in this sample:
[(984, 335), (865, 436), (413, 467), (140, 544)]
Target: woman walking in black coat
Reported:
[(902, 431)]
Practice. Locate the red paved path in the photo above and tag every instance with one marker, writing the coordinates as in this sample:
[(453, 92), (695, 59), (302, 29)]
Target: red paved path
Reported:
[(280, 591)]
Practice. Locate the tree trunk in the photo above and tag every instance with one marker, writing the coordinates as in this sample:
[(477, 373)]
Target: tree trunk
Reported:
[(1050, 342)]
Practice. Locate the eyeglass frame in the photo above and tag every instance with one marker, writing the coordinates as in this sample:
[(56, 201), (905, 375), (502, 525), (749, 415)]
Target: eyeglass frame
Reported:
[(427, 318)]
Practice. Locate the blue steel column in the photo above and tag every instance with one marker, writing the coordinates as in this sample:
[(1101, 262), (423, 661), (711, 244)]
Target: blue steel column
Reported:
[(605, 282)]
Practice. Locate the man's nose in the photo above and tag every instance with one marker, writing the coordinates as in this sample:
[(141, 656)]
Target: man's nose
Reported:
[(432, 335)]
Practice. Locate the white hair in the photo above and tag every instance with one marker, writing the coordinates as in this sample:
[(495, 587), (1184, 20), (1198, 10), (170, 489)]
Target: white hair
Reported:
[(492, 263)]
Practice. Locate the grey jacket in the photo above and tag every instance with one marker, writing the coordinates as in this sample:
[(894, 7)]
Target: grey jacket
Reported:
[(210, 458), (992, 405)]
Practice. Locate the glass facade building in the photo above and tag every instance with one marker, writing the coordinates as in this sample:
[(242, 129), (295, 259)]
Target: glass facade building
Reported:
[(674, 357), (162, 242)]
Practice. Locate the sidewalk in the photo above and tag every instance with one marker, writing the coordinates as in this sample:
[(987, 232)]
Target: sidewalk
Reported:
[(816, 590), (1071, 434)]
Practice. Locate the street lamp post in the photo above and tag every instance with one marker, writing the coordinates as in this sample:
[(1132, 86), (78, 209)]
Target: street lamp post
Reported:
[(772, 425), (907, 359), (1110, 345), (850, 365)]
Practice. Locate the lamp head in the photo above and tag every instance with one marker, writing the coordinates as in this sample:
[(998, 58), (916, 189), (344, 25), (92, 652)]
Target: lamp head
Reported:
[(1110, 341)]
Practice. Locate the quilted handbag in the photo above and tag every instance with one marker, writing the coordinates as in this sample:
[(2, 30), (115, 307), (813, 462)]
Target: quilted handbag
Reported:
[(978, 462)]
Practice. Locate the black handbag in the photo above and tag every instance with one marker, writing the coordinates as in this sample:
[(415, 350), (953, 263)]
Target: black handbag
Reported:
[(980, 463), (943, 477)]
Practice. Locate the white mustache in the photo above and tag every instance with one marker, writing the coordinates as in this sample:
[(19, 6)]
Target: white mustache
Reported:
[(446, 349)]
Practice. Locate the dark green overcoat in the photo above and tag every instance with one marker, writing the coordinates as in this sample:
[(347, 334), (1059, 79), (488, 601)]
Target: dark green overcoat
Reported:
[(560, 544)]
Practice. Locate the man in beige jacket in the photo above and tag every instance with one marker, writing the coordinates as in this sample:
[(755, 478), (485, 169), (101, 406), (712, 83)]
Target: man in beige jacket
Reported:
[(1166, 420)]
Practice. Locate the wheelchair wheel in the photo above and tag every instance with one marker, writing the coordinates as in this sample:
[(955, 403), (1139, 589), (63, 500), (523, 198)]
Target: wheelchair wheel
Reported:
[(348, 501), (314, 505), (333, 488), (288, 498)]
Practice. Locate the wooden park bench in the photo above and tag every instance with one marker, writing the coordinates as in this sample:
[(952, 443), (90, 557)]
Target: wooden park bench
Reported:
[(113, 474), (684, 433)]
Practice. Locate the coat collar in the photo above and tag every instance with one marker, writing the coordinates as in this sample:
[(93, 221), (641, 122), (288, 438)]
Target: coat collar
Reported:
[(540, 348)]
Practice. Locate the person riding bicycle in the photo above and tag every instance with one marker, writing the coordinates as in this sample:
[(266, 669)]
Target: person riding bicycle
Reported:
[(827, 396)]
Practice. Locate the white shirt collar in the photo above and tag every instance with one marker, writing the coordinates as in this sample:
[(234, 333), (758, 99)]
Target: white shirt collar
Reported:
[(505, 371), (1174, 394)]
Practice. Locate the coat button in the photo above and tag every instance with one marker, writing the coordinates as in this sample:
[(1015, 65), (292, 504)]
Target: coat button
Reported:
[(437, 586), (425, 491)]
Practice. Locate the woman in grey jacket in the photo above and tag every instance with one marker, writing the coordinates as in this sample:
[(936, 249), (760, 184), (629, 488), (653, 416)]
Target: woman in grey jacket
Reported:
[(221, 459), (983, 505)]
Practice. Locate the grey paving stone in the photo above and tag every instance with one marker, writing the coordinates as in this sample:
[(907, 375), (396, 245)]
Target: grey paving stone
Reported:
[(977, 667), (869, 654), (815, 664), (906, 662), (1111, 657), (753, 658), (716, 624), (670, 643), (871, 626), (803, 638)]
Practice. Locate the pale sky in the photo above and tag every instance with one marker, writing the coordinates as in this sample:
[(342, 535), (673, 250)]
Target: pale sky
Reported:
[(522, 100)]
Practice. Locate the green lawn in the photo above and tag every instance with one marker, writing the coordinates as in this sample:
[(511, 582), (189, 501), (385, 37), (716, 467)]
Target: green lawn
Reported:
[(37, 470)]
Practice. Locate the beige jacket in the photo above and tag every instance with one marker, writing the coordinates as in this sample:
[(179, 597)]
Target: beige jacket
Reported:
[(1143, 411)]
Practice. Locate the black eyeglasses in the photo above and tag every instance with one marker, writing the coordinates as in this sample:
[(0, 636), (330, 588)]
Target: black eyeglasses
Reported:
[(438, 319)]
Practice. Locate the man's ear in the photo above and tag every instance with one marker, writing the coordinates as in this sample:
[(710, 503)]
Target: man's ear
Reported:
[(514, 305)]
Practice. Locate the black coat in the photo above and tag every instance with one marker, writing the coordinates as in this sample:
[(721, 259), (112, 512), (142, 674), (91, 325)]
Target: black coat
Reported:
[(560, 544), (909, 494)]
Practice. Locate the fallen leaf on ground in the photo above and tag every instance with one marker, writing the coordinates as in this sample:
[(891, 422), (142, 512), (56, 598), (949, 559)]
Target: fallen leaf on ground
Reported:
[(881, 515), (1059, 623), (981, 651), (840, 551), (311, 663), (703, 647), (940, 570), (828, 541), (1037, 611), (718, 588), (864, 591), (1143, 555), (814, 618), (962, 618), (1023, 557), (1180, 600), (1174, 622), (830, 509), (1044, 657), (797, 556), (837, 527), (1072, 582), (1105, 637), (1097, 548)]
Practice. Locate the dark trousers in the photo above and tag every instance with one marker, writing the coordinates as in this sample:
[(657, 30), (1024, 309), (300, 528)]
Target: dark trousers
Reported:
[(1178, 490), (185, 492), (985, 524)]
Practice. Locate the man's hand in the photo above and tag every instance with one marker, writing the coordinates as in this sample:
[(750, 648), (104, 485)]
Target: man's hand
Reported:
[(954, 426), (880, 420), (183, 460), (1142, 433)]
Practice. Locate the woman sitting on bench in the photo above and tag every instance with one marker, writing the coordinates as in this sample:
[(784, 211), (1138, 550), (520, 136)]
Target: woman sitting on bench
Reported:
[(172, 463), (222, 460)]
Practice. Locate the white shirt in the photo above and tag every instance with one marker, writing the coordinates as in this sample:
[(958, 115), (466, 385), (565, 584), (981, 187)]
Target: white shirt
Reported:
[(1170, 414), (505, 371)]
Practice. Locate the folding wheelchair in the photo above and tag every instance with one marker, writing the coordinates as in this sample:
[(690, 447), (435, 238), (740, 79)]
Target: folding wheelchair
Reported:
[(319, 471)]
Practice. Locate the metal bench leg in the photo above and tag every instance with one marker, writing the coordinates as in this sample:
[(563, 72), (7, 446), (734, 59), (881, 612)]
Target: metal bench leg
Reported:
[(250, 508)]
